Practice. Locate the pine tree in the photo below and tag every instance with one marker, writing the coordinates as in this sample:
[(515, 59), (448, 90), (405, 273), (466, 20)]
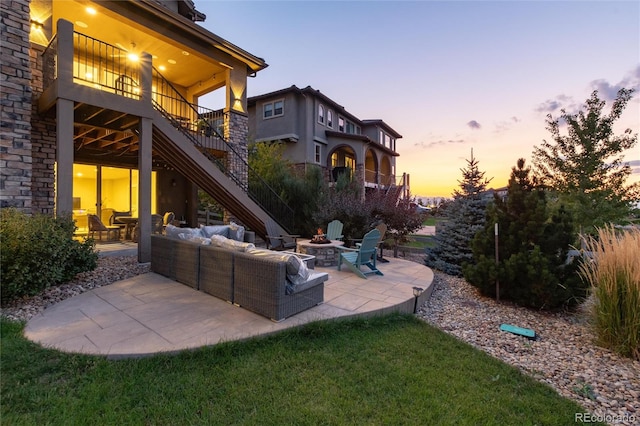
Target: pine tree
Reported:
[(465, 216), (532, 248)]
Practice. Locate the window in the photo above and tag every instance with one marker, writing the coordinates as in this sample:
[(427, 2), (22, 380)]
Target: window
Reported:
[(273, 109), (330, 118), (321, 114), (340, 124), (318, 153), (351, 128)]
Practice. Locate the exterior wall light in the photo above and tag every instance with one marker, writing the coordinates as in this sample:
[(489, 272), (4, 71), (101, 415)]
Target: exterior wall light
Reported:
[(37, 26)]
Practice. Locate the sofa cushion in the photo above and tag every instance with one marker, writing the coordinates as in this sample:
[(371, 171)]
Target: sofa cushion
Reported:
[(297, 271), (314, 279), (236, 232), (229, 244), (210, 230), (182, 233)]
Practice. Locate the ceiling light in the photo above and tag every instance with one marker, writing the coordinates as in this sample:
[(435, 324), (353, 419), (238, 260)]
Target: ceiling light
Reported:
[(81, 24), (133, 57), (91, 11), (172, 61), (185, 53), (162, 68)]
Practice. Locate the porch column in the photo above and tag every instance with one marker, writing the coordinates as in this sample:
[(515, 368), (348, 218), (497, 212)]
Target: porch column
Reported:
[(145, 160), (64, 157), (64, 121)]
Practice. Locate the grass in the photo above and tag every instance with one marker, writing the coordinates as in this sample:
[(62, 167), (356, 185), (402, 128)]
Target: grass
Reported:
[(432, 220), (389, 370), (615, 284)]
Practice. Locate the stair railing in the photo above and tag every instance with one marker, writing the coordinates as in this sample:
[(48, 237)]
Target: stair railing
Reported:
[(204, 128)]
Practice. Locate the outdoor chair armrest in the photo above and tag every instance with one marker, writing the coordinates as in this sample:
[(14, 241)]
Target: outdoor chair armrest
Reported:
[(347, 248)]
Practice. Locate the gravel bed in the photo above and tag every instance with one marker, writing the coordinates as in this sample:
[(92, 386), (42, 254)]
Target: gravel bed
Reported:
[(563, 355), (109, 270)]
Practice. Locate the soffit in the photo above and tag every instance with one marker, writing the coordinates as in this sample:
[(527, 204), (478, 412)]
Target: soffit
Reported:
[(120, 31)]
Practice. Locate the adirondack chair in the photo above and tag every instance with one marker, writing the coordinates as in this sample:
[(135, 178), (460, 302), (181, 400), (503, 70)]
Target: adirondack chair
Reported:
[(383, 230), (365, 254), (276, 240), (334, 231)]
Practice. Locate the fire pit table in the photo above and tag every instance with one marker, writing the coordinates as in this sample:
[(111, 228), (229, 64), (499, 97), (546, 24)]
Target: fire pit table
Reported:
[(326, 253)]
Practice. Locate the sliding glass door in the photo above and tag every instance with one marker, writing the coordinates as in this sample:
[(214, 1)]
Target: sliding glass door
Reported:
[(103, 190)]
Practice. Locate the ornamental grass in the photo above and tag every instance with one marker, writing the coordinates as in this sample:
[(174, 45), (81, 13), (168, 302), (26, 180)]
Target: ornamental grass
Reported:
[(614, 276)]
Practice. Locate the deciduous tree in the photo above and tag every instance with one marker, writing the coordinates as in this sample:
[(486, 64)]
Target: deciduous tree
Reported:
[(585, 168)]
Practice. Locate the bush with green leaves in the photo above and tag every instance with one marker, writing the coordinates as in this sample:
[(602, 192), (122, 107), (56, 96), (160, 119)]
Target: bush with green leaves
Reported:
[(532, 249), (38, 252)]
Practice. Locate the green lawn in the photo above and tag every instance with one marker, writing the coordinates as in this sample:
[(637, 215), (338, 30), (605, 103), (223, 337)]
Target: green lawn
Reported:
[(431, 221), (390, 370)]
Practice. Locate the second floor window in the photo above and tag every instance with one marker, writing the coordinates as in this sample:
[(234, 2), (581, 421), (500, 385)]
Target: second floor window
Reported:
[(340, 124), (273, 109), (330, 118), (321, 114)]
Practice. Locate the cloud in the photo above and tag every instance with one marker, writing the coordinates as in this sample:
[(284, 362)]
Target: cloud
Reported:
[(559, 102), (439, 142), (608, 91), (635, 166), (473, 124), (506, 125)]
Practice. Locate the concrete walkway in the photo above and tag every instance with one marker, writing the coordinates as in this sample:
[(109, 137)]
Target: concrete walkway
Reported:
[(150, 313)]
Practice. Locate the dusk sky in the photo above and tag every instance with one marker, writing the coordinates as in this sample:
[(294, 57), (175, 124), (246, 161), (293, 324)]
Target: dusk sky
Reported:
[(448, 76)]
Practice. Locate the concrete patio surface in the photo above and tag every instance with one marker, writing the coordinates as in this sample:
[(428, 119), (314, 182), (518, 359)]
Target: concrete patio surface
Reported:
[(151, 314)]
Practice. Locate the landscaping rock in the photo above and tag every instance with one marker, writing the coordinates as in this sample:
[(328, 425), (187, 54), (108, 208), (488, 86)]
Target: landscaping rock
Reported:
[(563, 356)]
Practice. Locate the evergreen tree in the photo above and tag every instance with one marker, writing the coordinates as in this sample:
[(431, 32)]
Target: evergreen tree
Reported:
[(532, 248), (465, 216), (585, 168)]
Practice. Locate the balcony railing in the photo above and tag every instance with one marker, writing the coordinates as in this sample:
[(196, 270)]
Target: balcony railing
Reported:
[(377, 177), (105, 67)]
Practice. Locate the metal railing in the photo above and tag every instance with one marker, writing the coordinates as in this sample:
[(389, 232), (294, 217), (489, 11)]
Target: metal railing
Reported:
[(235, 166), (106, 67), (377, 177)]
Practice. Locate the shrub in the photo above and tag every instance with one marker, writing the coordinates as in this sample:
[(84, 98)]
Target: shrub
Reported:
[(614, 276), (38, 252), (533, 249)]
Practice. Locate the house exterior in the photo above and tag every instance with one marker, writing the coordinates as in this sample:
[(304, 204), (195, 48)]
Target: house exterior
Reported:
[(100, 112), (319, 132)]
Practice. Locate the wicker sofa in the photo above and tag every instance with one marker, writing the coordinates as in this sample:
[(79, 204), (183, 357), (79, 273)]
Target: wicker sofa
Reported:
[(257, 280)]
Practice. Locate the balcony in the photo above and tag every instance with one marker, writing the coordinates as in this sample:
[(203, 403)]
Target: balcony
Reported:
[(107, 86)]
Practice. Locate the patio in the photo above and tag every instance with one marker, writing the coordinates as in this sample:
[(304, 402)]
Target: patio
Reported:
[(149, 313)]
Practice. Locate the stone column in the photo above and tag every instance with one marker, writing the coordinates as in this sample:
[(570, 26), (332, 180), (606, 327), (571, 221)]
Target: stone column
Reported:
[(15, 98)]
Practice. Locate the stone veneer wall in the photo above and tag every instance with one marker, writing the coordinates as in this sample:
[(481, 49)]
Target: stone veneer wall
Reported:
[(15, 98), (236, 132), (43, 142)]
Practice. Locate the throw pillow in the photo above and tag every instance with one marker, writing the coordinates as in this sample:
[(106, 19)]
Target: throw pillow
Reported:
[(296, 270), (210, 230), (236, 232)]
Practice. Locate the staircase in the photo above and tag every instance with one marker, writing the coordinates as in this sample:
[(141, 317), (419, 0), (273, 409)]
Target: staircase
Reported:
[(239, 189)]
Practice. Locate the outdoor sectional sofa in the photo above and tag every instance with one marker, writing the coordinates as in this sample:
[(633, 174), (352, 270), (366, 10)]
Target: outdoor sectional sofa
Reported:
[(272, 284)]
